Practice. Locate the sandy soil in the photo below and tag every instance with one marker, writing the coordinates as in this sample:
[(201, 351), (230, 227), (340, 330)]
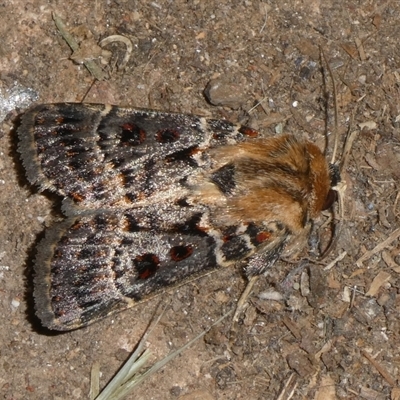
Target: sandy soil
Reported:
[(340, 340)]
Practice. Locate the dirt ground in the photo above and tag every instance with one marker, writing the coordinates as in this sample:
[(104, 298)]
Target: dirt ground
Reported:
[(335, 332)]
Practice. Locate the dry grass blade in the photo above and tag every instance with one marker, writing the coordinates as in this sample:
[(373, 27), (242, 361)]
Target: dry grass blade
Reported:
[(91, 66), (337, 259), (380, 368), (381, 246), (129, 376), (243, 298), (94, 381), (289, 388)]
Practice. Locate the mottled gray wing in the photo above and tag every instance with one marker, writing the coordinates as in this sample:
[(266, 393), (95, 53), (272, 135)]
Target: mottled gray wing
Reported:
[(90, 266), (130, 231), (110, 157)]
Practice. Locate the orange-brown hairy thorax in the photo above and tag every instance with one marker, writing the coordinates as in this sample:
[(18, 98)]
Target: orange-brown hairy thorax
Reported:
[(280, 179)]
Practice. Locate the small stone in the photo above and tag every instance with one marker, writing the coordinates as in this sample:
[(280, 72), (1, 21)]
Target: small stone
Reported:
[(15, 303), (222, 92)]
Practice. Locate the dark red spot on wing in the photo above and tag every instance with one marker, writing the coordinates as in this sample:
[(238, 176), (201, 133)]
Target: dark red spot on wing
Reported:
[(99, 278), (227, 238), (77, 197), (257, 234), (40, 147), (192, 226), (71, 142), (146, 265), (179, 253), (71, 154), (130, 197), (132, 135), (262, 236), (248, 131), (127, 177), (130, 224), (184, 155), (167, 136), (138, 196), (76, 226), (229, 233), (59, 313), (59, 120)]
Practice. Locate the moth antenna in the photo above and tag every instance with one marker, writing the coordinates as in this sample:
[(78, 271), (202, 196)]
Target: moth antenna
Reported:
[(337, 168), (351, 135), (341, 186), (336, 127)]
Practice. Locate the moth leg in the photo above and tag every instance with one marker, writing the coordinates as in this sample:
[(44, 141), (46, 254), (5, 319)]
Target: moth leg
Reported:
[(258, 264), (241, 304)]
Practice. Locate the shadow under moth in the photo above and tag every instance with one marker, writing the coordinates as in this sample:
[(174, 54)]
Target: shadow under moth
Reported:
[(153, 199)]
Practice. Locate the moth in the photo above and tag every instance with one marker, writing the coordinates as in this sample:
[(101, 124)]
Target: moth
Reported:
[(153, 199)]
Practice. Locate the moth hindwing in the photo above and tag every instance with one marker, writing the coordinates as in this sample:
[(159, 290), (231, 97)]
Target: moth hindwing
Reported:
[(152, 199)]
